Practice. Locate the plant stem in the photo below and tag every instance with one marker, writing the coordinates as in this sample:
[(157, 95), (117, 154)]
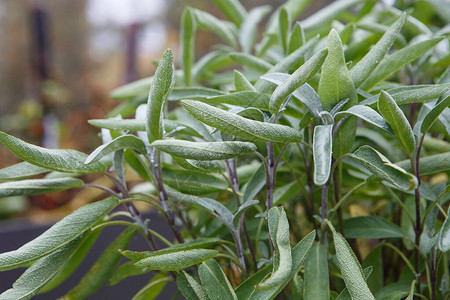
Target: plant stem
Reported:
[(433, 271), (240, 250), (270, 180), (337, 196), (93, 185), (323, 208)]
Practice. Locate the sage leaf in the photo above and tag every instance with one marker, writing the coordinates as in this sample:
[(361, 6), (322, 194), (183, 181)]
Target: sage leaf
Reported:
[(298, 78), (126, 141), (251, 61), (283, 247), (369, 62), (241, 83), (371, 227), (38, 186), (221, 28), (62, 160), (213, 166), (369, 115), (392, 63), (193, 182), (244, 290), (161, 86), (102, 269), (187, 43), (204, 150), (296, 39), (444, 235), (190, 288), (434, 113), (41, 272), (21, 171), (345, 294), (255, 184), (284, 24), (60, 234), (322, 147), (398, 122), (429, 165), (351, 269), (241, 210), (248, 30), (316, 280), (233, 10), (335, 85), (241, 127), (378, 164), (179, 93), (244, 99), (152, 289), (215, 282), (133, 89)]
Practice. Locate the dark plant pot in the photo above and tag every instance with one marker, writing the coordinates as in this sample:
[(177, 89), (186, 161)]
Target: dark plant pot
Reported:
[(15, 233)]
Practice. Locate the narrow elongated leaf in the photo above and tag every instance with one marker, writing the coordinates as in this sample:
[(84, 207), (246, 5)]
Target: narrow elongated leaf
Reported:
[(248, 30), (61, 160), (215, 282), (102, 269), (152, 289), (41, 272), (132, 90), (60, 234), (161, 86), (241, 127), (345, 294), (233, 10), (369, 62), (21, 171), (244, 99), (282, 272), (213, 166), (244, 290), (251, 61), (392, 63), (296, 39), (316, 280), (429, 165), (351, 269), (398, 122), (322, 143), (299, 253), (127, 141), (38, 186), (176, 261), (284, 24), (336, 85), (190, 288), (378, 164), (298, 78), (187, 37), (193, 182), (179, 93), (444, 235), (369, 115), (204, 150), (241, 211), (241, 83), (124, 271), (371, 227), (255, 184), (221, 28), (286, 192), (433, 115)]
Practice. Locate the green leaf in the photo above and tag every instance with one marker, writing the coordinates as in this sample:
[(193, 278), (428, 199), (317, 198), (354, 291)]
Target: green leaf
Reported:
[(223, 29), (241, 210), (60, 234), (248, 30), (392, 63), (38, 186), (215, 282), (378, 164), (187, 44), (251, 61), (323, 140), (282, 243), (233, 10), (41, 272), (369, 62), (351, 269), (316, 280), (335, 85), (284, 24), (241, 83), (21, 171), (190, 288), (179, 93), (193, 182), (244, 290), (298, 78), (371, 227), (255, 184), (345, 294), (241, 127), (126, 141), (152, 289), (296, 39), (204, 150), (210, 166), (434, 113), (299, 253), (102, 269), (124, 271), (398, 122), (429, 165), (369, 115), (444, 235), (161, 86), (132, 90), (286, 192), (69, 161), (244, 99)]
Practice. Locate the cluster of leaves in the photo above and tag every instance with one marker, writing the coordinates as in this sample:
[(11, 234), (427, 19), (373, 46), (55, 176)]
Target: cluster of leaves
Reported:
[(353, 99)]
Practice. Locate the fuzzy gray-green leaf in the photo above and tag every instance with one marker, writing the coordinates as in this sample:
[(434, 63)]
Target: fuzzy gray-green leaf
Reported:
[(322, 143), (233, 9), (444, 235), (21, 171), (187, 37), (215, 282), (248, 30), (371, 227), (126, 141), (316, 280), (241, 83), (429, 165), (434, 113), (251, 61), (241, 127), (61, 160), (38, 186), (244, 99), (60, 234), (190, 288), (161, 86), (221, 28), (369, 115)]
